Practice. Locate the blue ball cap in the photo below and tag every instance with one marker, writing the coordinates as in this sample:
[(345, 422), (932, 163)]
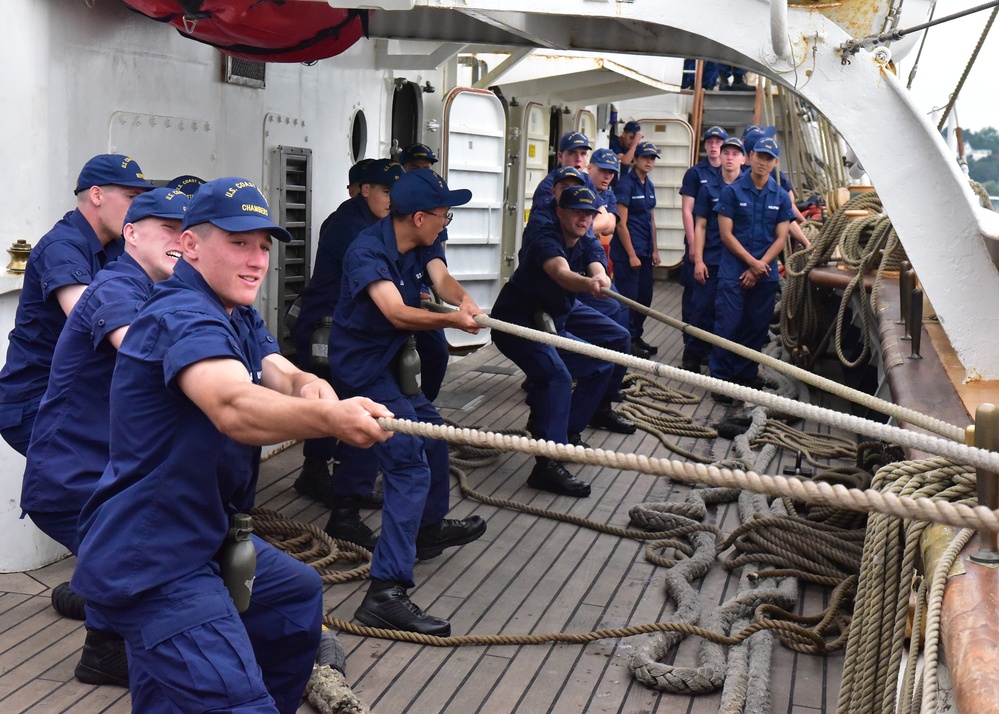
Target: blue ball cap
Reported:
[(736, 142), (717, 132), (415, 152), (632, 127), (383, 172), (423, 190), (647, 148), (567, 172), (766, 145), (357, 171), (578, 198), (160, 202), (111, 170), (235, 205), (605, 159), (573, 140), (751, 128), (750, 138), (186, 184)]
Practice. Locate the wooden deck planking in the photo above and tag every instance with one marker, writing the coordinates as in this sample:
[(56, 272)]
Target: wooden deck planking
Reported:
[(525, 575)]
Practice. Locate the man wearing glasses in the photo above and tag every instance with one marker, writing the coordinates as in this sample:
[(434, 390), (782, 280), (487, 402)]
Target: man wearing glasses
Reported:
[(372, 346)]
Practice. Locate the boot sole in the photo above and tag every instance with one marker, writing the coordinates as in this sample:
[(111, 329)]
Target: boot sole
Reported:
[(89, 675), (372, 620)]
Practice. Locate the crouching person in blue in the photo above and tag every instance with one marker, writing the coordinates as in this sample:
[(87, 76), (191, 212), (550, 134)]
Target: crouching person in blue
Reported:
[(372, 344), (546, 282), (69, 443), (754, 214), (198, 381)]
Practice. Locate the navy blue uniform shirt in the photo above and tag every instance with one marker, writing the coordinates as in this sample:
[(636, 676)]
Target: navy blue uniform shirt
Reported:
[(363, 343), (615, 146), (161, 509), (69, 254), (704, 207), (639, 198), (338, 231), (755, 214), (543, 193), (531, 288), (69, 443), (696, 176)]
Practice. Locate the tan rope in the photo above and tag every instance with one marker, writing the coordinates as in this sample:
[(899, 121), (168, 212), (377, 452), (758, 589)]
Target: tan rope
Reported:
[(311, 545)]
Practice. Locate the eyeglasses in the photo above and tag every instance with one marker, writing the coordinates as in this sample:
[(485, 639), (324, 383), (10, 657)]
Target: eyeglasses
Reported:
[(447, 217)]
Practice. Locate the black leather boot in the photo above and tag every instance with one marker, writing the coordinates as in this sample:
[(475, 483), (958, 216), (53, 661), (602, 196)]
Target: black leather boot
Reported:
[(549, 475), (104, 660), (387, 605), (432, 540), (67, 603), (345, 523), (609, 420), (315, 480)]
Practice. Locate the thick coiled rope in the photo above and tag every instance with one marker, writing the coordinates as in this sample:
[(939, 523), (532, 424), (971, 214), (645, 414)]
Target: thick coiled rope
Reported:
[(875, 648), (311, 545)]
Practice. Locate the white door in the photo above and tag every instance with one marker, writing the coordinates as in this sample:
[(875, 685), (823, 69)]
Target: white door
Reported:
[(674, 138), (586, 124), (472, 157)]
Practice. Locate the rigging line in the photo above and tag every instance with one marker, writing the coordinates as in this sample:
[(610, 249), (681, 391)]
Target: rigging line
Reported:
[(853, 46), (967, 69), (922, 43)]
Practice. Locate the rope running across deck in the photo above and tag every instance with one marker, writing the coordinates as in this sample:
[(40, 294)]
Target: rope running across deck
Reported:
[(882, 432)]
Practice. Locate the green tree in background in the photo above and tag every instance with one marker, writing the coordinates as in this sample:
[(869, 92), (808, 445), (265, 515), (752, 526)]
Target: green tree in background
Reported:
[(985, 171)]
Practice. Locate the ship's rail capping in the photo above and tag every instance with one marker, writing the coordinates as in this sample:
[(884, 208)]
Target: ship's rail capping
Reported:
[(921, 509)]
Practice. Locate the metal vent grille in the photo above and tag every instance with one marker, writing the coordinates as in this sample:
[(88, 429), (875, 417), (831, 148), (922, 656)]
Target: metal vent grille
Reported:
[(245, 72), (295, 214)]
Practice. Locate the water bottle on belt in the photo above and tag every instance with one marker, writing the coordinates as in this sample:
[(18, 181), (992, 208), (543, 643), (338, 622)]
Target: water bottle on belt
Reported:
[(238, 560)]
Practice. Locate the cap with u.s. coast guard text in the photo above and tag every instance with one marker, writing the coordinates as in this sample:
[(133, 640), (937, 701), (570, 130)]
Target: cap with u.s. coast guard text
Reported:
[(647, 148), (384, 172), (563, 173), (605, 159), (766, 145), (735, 142), (423, 189), (235, 205), (716, 132), (111, 170), (573, 140), (578, 198), (158, 203), (417, 152), (186, 184)]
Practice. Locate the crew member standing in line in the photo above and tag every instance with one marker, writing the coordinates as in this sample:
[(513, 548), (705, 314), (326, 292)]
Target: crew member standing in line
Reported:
[(633, 248), (373, 348), (706, 252), (753, 218), (696, 177), (198, 379), (59, 269), (624, 147), (751, 134), (352, 486), (69, 444), (545, 284)]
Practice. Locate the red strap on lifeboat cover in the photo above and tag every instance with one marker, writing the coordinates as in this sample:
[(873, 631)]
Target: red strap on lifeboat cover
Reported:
[(262, 30)]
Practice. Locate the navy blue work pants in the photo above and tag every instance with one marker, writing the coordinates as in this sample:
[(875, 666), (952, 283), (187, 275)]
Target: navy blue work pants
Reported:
[(635, 284), (742, 316), (190, 651), (702, 313), (590, 323)]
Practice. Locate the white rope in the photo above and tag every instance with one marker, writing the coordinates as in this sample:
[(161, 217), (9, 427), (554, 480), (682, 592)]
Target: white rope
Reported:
[(820, 492), (903, 437)]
